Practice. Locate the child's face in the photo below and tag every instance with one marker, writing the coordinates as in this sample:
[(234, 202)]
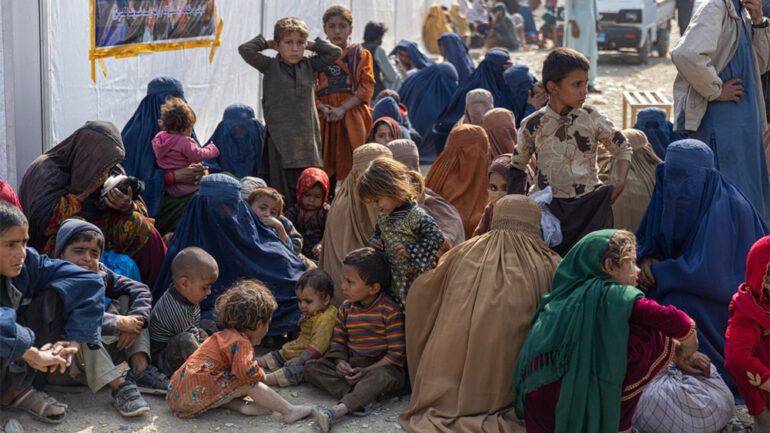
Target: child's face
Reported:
[(571, 90), (313, 199), (497, 187), (627, 273), (85, 254), (385, 205), (255, 336), (292, 47), (266, 207), (311, 301), (403, 58), (355, 289), (13, 250), (383, 134), (338, 31), (196, 289)]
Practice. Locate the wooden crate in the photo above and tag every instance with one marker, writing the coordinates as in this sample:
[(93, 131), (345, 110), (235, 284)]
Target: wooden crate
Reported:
[(641, 99)]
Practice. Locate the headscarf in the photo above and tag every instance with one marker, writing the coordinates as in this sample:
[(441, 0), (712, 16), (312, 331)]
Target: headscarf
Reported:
[(387, 107), (239, 140), (72, 166), (350, 222), (478, 101), (137, 137), (249, 184), (580, 335), (460, 21), (435, 25), (395, 128), (449, 324), (518, 82), (7, 194), (459, 174), (70, 228), (419, 60), (425, 94), (307, 180), (500, 125), (447, 217), (658, 129), (700, 226), (477, 12), (217, 220), (456, 51)]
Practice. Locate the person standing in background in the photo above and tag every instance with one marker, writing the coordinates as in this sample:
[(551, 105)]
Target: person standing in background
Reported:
[(386, 75), (582, 24)]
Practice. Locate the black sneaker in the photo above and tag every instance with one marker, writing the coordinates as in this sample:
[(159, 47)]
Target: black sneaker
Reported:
[(128, 401), (150, 381)]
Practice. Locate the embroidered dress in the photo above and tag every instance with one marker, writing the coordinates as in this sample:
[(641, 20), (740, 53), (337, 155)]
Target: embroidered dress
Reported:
[(410, 226)]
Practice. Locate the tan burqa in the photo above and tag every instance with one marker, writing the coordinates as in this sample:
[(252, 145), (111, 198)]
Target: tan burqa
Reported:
[(460, 21), (500, 125), (350, 222), (435, 25), (467, 319), (479, 102)]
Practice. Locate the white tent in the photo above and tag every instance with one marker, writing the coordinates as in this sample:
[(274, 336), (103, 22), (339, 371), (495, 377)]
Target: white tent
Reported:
[(45, 72)]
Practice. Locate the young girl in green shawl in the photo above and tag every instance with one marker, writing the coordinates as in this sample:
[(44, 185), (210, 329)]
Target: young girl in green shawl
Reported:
[(596, 342)]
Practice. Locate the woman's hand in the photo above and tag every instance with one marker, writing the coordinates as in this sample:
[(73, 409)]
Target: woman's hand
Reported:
[(191, 174), (115, 199), (646, 278)]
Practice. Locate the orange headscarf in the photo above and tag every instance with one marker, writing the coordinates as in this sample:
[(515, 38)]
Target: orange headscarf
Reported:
[(500, 125)]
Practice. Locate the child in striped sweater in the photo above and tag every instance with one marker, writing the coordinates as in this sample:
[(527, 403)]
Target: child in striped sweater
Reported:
[(367, 354)]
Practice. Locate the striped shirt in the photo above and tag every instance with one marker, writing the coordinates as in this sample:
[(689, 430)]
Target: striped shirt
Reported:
[(173, 315), (375, 332)]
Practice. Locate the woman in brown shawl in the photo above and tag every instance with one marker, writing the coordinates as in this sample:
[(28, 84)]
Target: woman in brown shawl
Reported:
[(459, 174), (467, 320), (64, 183), (447, 217), (350, 222), (498, 172), (478, 102), (500, 125)]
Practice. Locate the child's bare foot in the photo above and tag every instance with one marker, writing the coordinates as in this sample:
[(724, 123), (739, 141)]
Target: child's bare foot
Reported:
[(247, 408), (296, 413)]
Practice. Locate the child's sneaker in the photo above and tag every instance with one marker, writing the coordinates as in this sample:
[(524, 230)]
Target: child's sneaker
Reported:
[(325, 418), (128, 401), (149, 381)]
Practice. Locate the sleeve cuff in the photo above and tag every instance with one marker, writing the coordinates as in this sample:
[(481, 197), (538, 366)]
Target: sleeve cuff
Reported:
[(310, 353)]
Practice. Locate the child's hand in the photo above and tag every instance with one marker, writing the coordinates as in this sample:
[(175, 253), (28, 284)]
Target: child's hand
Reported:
[(271, 44), (356, 375), (617, 190), (537, 98), (343, 369), (295, 361), (765, 386), (126, 339), (317, 250), (324, 109), (336, 114), (686, 348), (400, 250), (309, 44), (131, 324), (697, 364), (276, 225), (376, 244)]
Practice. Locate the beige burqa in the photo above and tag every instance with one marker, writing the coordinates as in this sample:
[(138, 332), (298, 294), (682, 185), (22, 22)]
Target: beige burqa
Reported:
[(350, 222), (467, 319)]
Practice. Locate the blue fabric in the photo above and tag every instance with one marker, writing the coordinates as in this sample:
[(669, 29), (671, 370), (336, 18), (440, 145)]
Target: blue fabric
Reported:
[(121, 264), (137, 140), (519, 81), (219, 221), (387, 107), (456, 51), (530, 29), (701, 228), (658, 129), (489, 76), (239, 139), (734, 131), (419, 60)]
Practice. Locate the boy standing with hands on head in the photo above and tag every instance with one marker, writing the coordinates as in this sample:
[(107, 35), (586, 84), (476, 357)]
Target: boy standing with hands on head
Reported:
[(292, 132)]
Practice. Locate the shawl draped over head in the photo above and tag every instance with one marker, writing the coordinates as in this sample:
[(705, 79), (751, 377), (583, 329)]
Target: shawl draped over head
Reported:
[(460, 21), (450, 344), (239, 140), (217, 220), (419, 60), (249, 184), (8, 194), (700, 226), (387, 107), (397, 130), (72, 166), (580, 335), (518, 82), (435, 25), (447, 217), (308, 179), (456, 51), (350, 222), (137, 137), (500, 125), (459, 174), (425, 94), (478, 102), (489, 76), (658, 129)]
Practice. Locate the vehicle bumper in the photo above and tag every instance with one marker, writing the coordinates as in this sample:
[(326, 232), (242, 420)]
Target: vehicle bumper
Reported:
[(615, 37)]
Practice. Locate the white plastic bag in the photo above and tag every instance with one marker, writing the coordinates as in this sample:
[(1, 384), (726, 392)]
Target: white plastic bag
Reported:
[(550, 226)]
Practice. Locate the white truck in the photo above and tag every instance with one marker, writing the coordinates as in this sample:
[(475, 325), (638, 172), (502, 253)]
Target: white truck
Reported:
[(631, 24)]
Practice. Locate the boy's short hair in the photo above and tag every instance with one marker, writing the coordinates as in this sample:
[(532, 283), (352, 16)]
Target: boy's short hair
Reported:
[(622, 247), (371, 265), (269, 192), (338, 11), (388, 92), (374, 31), (245, 305), (289, 25), (193, 263), (319, 280), (560, 62), (10, 217), (176, 115)]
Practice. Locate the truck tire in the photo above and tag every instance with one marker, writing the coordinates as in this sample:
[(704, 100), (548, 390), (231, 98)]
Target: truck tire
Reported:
[(664, 40), (644, 51)]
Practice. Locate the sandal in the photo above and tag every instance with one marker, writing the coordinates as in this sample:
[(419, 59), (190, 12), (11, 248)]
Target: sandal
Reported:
[(325, 417), (37, 403)]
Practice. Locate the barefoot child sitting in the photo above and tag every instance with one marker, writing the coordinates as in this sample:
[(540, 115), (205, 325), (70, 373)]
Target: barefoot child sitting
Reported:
[(267, 203), (314, 295), (223, 370)]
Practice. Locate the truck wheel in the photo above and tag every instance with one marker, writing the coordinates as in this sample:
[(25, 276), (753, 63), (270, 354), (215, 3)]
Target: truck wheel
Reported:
[(664, 40), (644, 52)]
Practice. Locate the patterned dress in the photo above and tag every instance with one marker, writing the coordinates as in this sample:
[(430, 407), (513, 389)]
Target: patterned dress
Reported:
[(221, 365), (411, 226)]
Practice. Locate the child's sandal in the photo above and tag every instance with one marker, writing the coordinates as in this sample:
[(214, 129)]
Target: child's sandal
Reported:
[(325, 418)]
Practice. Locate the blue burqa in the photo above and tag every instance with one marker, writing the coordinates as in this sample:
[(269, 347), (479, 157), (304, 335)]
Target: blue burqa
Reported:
[(419, 60), (456, 52), (489, 76), (425, 94), (700, 227), (239, 140), (388, 107), (519, 82), (137, 139), (530, 29), (734, 131), (658, 129), (219, 221)]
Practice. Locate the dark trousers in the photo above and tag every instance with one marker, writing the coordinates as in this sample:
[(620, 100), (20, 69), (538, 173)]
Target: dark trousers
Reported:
[(281, 178), (170, 356)]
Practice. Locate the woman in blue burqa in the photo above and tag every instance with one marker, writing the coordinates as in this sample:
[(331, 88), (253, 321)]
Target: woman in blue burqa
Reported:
[(658, 129), (219, 221), (693, 242), (410, 58), (455, 51), (239, 140)]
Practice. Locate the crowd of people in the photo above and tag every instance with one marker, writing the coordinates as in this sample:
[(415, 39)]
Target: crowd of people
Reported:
[(550, 273)]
